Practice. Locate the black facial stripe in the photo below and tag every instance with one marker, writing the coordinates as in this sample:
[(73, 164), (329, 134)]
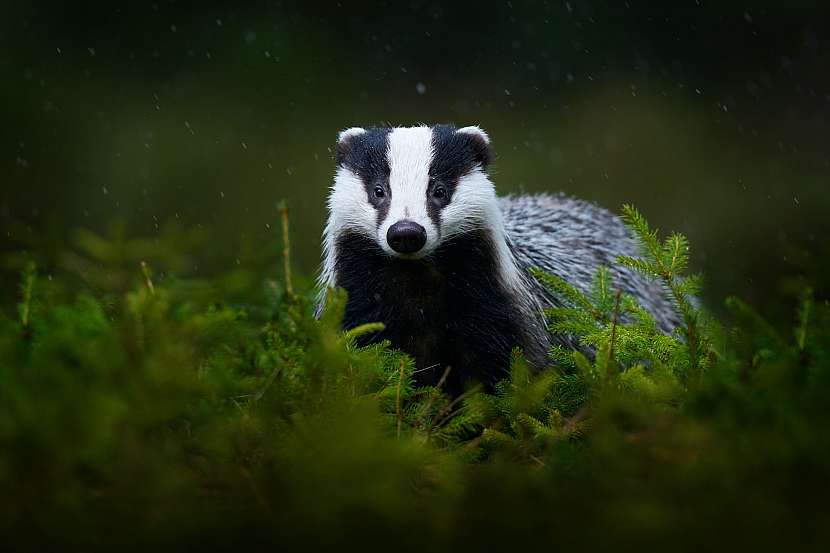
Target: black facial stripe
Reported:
[(366, 155), (455, 155)]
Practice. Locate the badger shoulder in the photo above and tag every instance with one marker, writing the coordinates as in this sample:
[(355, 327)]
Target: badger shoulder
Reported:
[(572, 238)]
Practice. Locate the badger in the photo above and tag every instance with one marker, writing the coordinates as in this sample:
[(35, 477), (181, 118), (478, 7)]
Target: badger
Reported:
[(420, 241)]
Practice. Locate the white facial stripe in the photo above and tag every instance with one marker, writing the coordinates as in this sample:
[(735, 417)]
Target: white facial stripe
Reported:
[(410, 155), (348, 209), (348, 205), (474, 207), (471, 207)]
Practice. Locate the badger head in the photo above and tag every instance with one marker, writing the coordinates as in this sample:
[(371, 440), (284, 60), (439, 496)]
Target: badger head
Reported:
[(411, 189)]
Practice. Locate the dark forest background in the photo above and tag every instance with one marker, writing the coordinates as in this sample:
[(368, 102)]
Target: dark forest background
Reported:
[(711, 117)]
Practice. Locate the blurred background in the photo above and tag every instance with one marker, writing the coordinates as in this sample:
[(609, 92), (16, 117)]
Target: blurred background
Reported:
[(134, 118)]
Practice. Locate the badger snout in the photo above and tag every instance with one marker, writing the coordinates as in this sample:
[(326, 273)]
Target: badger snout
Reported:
[(406, 237)]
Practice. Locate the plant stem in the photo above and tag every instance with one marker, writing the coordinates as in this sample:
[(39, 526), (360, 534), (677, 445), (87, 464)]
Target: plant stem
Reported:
[(268, 382), (447, 411), (398, 399), (441, 381), (28, 290), (614, 331), (149, 281), (286, 248)]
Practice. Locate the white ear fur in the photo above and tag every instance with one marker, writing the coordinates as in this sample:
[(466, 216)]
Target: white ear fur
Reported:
[(348, 133), (477, 131)]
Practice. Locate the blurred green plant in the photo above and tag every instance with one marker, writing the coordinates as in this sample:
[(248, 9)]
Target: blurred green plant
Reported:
[(157, 413)]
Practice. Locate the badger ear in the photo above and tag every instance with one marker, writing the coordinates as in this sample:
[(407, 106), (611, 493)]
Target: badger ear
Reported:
[(345, 142), (476, 131), (480, 144)]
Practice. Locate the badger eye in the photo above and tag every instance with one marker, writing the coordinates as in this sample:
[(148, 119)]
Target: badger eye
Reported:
[(378, 192), (439, 193)]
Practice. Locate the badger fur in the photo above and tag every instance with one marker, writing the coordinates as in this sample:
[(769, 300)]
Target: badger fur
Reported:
[(420, 241)]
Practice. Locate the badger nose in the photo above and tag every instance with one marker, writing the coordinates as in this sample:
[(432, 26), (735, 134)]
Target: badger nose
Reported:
[(406, 237)]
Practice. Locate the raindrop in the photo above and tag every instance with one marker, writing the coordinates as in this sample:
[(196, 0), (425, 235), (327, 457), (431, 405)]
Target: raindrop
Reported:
[(421, 88)]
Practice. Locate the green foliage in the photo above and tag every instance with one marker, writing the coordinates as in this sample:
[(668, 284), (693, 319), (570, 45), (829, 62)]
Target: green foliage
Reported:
[(667, 261), (154, 411)]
